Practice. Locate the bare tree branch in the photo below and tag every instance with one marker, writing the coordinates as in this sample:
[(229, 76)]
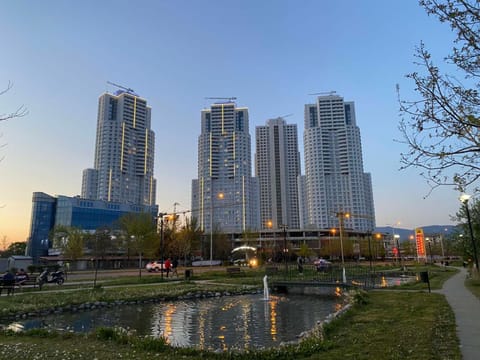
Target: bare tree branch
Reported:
[(441, 129), (20, 112)]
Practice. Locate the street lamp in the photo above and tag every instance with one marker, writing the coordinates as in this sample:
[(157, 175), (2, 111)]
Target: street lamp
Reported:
[(464, 199), (270, 226), (160, 216), (429, 242), (341, 216), (285, 250), (220, 196)]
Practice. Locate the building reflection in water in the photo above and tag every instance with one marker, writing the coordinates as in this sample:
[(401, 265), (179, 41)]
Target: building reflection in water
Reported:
[(238, 322)]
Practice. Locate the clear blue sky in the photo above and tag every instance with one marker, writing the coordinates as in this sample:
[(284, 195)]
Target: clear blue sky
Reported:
[(270, 54)]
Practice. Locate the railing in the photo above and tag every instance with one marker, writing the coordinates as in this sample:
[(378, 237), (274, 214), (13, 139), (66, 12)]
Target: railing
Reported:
[(357, 276)]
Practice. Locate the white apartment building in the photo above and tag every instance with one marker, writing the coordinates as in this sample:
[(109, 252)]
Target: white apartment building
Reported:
[(225, 196), (335, 181), (277, 167), (124, 152)]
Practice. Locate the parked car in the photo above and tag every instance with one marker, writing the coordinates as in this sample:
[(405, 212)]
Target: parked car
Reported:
[(240, 262), (322, 264), (155, 266)]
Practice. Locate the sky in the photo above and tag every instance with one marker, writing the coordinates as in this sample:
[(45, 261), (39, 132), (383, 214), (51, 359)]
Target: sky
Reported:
[(269, 54)]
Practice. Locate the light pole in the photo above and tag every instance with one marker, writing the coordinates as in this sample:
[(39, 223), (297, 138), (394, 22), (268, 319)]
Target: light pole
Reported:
[(220, 196), (270, 226), (160, 216), (285, 250), (464, 199), (341, 216), (429, 242), (211, 228)]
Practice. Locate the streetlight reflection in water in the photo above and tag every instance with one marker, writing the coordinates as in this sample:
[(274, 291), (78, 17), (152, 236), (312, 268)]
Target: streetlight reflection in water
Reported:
[(240, 322)]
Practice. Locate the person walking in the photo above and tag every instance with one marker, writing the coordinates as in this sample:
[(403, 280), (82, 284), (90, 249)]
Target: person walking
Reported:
[(300, 264), (174, 267), (168, 266)]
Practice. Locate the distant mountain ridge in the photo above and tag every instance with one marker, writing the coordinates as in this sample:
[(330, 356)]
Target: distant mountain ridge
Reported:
[(427, 230)]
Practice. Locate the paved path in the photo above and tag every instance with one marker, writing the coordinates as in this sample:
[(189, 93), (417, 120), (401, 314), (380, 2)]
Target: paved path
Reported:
[(467, 314)]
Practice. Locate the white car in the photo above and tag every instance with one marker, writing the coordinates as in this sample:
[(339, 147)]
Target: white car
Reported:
[(322, 264), (155, 266)]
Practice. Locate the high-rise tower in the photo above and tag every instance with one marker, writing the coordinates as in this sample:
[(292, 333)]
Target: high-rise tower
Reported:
[(277, 167), (225, 196), (124, 152), (334, 178)]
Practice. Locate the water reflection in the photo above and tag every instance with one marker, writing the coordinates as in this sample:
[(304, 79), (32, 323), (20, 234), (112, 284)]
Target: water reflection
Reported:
[(395, 281), (218, 323)]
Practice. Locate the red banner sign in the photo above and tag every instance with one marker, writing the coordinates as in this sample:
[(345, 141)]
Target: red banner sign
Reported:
[(420, 239)]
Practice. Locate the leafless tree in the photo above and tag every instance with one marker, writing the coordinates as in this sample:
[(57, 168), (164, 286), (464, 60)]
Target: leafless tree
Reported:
[(20, 112), (441, 128)]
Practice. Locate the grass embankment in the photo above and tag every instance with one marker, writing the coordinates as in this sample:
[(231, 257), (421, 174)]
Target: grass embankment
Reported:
[(382, 325), (473, 284)]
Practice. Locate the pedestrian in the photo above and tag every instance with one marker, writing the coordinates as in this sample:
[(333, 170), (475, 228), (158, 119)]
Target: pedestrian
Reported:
[(168, 266), (300, 264), (174, 267), (8, 282), (21, 277)]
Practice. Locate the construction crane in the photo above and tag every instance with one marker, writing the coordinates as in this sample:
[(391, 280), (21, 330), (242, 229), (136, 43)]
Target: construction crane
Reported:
[(129, 90), (324, 93), (284, 116), (230, 99)]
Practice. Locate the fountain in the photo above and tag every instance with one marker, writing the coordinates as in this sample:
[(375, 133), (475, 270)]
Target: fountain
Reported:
[(266, 293)]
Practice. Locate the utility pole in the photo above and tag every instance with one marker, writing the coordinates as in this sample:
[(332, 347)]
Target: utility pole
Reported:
[(285, 250)]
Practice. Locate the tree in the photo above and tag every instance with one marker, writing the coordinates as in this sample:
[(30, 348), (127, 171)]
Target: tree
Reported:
[(100, 243), (304, 251), (188, 239), (69, 240), (442, 128), (461, 217), (140, 228), (20, 112), (16, 248)]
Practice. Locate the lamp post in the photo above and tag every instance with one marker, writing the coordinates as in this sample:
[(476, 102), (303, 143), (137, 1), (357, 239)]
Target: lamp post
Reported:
[(285, 250), (160, 216), (429, 242), (464, 199), (270, 226), (211, 229), (341, 216), (220, 196)]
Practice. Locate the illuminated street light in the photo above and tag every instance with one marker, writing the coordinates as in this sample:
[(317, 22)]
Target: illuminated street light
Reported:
[(220, 196), (285, 250), (161, 216), (464, 199), (341, 216)]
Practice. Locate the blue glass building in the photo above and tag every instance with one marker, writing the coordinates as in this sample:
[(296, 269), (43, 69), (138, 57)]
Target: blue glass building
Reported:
[(88, 215)]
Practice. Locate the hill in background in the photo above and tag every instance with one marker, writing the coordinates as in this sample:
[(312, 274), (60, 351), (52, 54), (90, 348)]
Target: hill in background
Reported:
[(429, 230)]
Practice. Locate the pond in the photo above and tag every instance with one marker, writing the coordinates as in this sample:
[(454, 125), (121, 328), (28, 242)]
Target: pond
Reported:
[(239, 322)]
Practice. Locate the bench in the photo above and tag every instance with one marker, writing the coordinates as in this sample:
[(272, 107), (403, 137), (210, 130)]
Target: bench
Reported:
[(234, 271), (31, 282)]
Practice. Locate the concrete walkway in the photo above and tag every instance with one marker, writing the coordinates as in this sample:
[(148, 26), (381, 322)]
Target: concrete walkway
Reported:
[(467, 314)]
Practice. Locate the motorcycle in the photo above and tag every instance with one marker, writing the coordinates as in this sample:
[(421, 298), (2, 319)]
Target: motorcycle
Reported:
[(46, 278)]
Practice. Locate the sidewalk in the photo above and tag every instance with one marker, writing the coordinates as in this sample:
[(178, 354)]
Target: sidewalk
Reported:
[(467, 314)]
